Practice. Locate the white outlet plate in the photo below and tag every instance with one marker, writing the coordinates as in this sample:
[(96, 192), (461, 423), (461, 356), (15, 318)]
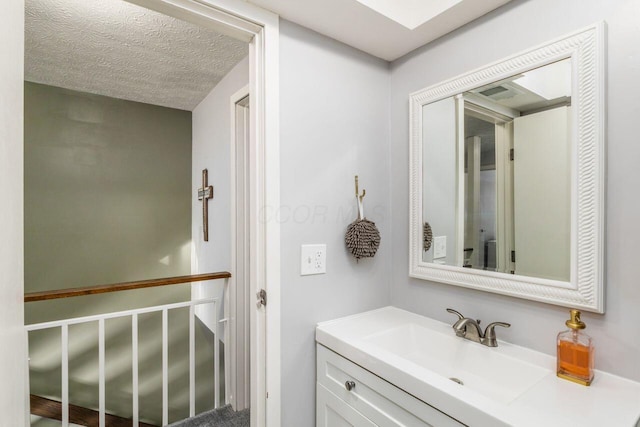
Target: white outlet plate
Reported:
[(313, 259), (439, 247)]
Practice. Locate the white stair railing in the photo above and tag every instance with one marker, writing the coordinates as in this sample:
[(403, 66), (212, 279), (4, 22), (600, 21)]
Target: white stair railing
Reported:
[(134, 314)]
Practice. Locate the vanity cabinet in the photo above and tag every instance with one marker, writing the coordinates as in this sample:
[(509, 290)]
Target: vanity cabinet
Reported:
[(334, 412), (348, 395), (390, 367)]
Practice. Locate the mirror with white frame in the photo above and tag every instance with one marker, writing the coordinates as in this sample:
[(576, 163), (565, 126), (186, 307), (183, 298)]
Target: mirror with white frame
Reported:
[(507, 175)]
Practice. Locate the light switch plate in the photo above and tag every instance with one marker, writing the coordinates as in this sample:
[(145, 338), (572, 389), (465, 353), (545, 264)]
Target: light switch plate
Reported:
[(313, 259), (439, 247)]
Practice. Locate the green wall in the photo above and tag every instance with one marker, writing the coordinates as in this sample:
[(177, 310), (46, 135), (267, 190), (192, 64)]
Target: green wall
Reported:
[(107, 199), (107, 189)]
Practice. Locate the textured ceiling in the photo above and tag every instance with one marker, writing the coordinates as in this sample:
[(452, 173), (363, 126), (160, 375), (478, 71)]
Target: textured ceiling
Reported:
[(114, 48)]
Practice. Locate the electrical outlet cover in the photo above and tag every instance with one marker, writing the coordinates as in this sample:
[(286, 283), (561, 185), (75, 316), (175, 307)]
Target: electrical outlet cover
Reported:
[(313, 259), (439, 247)]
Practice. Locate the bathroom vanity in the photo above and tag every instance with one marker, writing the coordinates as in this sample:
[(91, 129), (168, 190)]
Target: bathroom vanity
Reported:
[(390, 367)]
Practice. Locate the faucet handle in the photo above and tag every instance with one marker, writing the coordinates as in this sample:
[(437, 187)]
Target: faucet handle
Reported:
[(490, 333), (452, 311)]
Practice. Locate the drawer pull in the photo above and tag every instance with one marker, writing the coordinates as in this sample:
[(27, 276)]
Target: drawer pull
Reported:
[(349, 385)]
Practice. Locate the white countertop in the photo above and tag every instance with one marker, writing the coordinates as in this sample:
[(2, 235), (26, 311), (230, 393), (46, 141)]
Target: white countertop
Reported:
[(610, 401)]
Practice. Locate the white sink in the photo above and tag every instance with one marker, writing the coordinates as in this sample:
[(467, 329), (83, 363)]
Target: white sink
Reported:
[(477, 367), (506, 385)]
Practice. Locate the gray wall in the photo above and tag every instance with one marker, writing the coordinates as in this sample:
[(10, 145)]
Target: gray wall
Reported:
[(12, 366), (508, 30), (107, 199), (212, 150), (334, 124), (439, 179)]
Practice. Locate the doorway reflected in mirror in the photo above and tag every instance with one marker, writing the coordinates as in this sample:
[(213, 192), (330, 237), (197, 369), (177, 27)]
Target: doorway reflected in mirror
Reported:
[(506, 147)]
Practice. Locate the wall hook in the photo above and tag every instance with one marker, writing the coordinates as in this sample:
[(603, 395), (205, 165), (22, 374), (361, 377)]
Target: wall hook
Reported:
[(362, 237), (357, 192)]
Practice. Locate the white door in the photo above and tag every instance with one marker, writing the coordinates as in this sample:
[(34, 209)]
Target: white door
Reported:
[(472, 202), (542, 194), (13, 396)]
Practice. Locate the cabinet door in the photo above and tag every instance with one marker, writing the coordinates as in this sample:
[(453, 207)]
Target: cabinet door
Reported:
[(378, 400), (334, 412)]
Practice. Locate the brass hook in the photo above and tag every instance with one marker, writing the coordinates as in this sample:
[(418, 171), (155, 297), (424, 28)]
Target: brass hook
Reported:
[(363, 191)]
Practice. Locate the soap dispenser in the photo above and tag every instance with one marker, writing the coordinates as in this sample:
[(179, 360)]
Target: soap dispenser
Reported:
[(575, 352)]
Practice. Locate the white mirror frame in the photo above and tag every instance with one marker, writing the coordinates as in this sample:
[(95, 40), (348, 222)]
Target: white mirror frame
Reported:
[(585, 289)]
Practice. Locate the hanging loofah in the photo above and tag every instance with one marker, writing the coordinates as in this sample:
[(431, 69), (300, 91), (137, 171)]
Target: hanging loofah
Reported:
[(427, 236), (363, 237)]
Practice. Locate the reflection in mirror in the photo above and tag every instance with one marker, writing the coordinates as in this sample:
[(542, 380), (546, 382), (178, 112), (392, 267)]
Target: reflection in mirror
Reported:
[(497, 175), (440, 178)]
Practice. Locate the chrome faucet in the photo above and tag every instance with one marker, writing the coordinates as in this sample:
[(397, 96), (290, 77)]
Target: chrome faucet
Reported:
[(470, 329)]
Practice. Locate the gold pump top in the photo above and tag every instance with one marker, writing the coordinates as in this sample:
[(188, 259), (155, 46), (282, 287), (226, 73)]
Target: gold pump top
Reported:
[(575, 322)]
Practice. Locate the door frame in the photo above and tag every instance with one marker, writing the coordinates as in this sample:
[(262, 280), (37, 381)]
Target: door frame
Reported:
[(238, 301), (13, 361), (259, 28), (239, 19)]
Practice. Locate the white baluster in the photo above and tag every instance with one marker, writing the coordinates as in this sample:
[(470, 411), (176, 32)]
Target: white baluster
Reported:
[(101, 375), (192, 362), (216, 356), (165, 368), (134, 367), (65, 375)]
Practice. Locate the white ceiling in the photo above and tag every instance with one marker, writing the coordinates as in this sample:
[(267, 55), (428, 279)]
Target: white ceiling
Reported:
[(357, 25), (114, 48)]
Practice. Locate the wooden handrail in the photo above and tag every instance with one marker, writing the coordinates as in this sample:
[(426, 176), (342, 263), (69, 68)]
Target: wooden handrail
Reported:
[(125, 286)]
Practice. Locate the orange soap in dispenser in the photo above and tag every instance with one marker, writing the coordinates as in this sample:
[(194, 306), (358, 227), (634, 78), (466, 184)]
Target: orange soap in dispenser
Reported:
[(575, 352)]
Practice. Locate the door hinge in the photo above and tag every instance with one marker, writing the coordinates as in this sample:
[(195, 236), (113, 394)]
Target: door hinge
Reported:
[(513, 256), (262, 298), (511, 154)]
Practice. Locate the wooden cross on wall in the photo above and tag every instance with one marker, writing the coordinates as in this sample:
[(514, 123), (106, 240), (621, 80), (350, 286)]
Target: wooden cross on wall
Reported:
[(205, 193)]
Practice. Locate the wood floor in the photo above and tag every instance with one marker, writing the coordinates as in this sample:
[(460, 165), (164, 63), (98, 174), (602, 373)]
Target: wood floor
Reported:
[(52, 409)]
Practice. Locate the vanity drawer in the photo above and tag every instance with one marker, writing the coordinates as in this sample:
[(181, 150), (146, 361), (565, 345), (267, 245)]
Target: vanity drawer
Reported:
[(333, 412), (373, 397)]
